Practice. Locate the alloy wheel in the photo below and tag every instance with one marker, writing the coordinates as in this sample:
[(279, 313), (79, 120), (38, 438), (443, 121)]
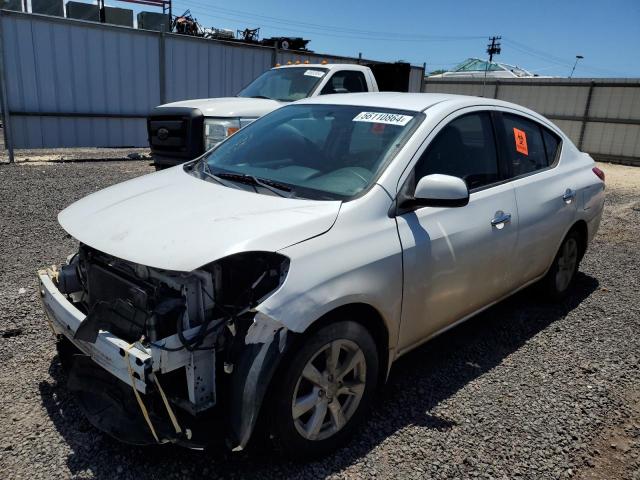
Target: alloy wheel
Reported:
[(329, 390), (567, 261)]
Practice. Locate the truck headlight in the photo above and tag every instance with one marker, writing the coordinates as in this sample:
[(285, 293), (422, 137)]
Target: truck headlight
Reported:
[(217, 129)]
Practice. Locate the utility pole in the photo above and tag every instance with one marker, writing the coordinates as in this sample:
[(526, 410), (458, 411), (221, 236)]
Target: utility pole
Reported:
[(578, 57), (492, 49)]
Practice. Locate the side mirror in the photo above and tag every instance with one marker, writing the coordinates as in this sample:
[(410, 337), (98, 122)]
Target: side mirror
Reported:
[(438, 190)]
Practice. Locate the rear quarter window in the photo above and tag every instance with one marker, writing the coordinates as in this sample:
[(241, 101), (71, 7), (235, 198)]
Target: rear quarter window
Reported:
[(551, 145)]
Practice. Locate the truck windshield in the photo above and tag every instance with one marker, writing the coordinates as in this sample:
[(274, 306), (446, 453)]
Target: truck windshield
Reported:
[(313, 151), (284, 84)]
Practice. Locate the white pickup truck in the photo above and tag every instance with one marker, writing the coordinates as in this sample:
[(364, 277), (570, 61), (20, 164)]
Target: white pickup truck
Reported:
[(181, 131)]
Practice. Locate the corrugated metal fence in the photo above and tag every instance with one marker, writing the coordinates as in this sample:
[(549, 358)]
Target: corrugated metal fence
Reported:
[(70, 83), (601, 116)]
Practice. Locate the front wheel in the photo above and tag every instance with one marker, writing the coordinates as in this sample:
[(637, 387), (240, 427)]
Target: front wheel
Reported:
[(325, 390)]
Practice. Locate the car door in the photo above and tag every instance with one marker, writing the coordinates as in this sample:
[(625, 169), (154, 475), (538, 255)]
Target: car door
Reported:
[(457, 260), (545, 195)]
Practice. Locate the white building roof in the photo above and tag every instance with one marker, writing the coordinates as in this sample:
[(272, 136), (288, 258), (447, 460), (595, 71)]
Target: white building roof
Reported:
[(475, 67)]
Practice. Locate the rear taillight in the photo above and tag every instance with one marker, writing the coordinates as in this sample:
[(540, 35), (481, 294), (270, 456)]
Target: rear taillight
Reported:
[(599, 173)]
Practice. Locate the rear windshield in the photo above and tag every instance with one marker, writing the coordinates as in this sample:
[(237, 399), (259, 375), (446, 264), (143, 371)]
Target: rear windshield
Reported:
[(284, 84), (319, 151)]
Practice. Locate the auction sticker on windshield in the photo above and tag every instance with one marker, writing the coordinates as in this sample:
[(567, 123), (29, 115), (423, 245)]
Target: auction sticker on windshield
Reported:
[(314, 73), (381, 117)]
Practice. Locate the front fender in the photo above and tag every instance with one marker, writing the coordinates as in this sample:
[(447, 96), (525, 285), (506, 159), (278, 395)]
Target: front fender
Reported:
[(249, 383), (359, 260)]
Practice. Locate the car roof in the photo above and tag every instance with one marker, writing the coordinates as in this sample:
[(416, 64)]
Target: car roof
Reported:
[(416, 102), (402, 101)]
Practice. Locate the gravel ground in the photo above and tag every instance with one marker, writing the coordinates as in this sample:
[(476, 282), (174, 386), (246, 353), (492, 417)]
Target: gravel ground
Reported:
[(524, 390), (72, 154)]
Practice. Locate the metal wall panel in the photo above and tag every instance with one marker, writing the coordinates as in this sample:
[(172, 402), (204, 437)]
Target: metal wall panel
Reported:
[(74, 83), (553, 100), (467, 88), (198, 68), (605, 123), (612, 139), (75, 69), (615, 102), (570, 128), (42, 132)]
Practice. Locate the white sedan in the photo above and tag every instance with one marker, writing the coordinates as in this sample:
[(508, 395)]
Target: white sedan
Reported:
[(278, 277)]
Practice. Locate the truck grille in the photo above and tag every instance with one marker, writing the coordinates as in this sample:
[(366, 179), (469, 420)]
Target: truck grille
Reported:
[(167, 134), (176, 132)]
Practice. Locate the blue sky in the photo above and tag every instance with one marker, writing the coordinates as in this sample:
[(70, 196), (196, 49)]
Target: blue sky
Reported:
[(540, 35)]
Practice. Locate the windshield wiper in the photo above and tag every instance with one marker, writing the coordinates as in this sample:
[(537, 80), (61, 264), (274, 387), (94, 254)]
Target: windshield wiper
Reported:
[(207, 171), (261, 96), (271, 185)]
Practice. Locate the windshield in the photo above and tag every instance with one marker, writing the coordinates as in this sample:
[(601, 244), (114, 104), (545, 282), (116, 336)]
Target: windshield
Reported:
[(284, 84), (315, 151)]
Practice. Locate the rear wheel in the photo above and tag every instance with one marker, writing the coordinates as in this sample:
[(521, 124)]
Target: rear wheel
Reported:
[(325, 390), (561, 276)]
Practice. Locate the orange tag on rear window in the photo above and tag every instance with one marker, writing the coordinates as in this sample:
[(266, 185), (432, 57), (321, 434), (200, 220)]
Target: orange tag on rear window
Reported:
[(521, 141)]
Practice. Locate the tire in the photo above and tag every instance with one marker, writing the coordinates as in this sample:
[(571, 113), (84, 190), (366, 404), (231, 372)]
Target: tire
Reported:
[(561, 276), (319, 428), (160, 167)]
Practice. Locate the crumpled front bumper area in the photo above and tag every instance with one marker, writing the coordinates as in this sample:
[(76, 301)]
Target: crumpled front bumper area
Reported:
[(147, 349), (108, 351), (117, 383)]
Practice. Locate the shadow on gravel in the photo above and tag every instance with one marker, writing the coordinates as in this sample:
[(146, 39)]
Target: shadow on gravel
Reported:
[(419, 381)]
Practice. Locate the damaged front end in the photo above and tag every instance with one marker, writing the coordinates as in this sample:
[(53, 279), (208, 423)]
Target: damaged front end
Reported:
[(157, 356)]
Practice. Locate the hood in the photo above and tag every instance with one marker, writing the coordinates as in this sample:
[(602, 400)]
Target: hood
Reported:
[(174, 221), (229, 106)]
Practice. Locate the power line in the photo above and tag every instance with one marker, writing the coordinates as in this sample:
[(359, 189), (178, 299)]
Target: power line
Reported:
[(307, 27), (344, 29), (536, 53), (556, 60)]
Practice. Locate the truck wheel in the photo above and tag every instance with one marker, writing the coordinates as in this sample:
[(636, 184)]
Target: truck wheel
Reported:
[(561, 276), (325, 390)]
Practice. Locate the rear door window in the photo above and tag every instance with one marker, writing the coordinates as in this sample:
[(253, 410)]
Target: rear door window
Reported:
[(524, 146)]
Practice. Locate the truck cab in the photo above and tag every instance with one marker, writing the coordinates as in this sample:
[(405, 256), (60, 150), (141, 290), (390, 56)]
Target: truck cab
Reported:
[(181, 131)]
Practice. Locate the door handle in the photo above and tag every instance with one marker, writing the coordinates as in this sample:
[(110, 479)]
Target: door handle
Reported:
[(500, 219), (568, 195)]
